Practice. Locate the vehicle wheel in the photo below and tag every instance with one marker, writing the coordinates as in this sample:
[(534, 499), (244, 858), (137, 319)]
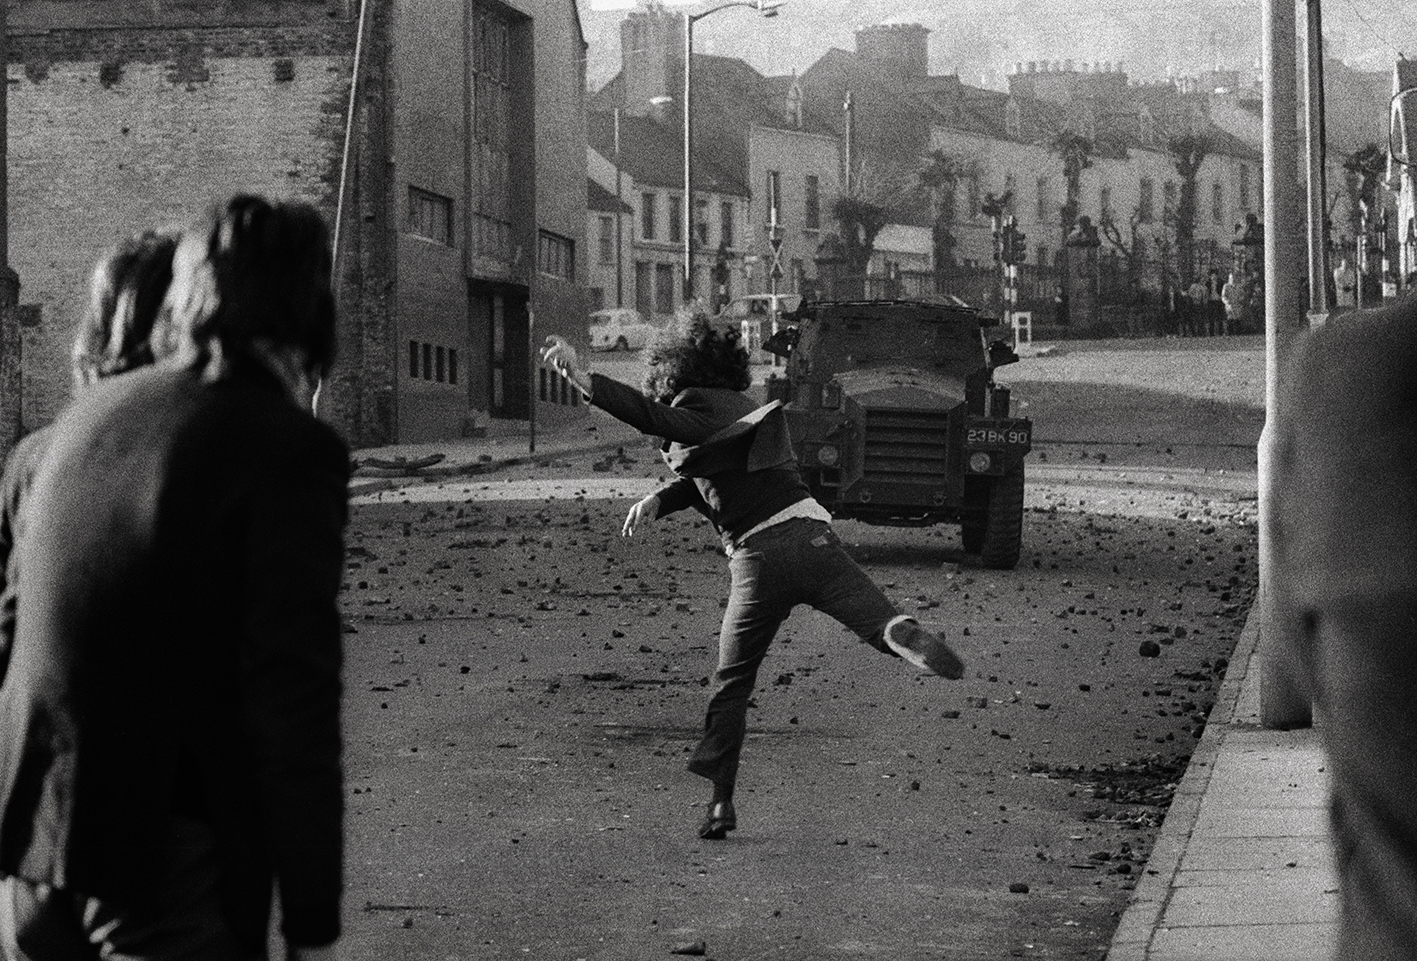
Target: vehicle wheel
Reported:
[(971, 534), (622, 344), (1003, 524)]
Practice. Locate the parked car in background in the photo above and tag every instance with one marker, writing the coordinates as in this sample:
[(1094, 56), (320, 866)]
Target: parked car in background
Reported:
[(619, 328)]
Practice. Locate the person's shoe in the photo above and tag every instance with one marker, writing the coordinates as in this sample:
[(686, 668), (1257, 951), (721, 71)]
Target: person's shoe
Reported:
[(720, 820), (924, 649)]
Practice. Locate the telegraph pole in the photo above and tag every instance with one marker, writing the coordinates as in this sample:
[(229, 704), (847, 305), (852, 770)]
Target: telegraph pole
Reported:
[(1282, 703), (11, 380), (9, 280)]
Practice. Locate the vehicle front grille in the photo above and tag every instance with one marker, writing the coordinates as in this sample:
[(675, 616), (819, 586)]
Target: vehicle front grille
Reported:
[(905, 447)]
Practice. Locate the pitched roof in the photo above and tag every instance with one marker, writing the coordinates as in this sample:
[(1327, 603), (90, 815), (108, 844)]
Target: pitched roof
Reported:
[(652, 153)]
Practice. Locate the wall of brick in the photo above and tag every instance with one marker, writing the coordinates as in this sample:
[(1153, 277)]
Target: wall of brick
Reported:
[(115, 130)]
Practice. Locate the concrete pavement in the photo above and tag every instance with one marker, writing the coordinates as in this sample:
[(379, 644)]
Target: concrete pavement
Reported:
[(1243, 867)]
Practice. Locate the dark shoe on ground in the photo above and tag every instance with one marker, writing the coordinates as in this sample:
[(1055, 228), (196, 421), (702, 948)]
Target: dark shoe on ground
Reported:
[(721, 819), (925, 649)]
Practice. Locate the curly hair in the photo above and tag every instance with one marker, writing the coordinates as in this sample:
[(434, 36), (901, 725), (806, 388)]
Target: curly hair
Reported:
[(692, 352)]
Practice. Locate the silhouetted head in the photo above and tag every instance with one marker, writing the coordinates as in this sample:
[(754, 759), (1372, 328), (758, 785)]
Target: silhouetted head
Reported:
[(255, 276)]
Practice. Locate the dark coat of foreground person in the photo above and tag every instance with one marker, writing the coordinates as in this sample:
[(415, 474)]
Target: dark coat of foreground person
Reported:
[(177, 655), (1345, 577)]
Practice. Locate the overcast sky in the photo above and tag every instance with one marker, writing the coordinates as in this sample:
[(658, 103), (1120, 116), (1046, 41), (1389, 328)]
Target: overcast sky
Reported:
[(975, 33)]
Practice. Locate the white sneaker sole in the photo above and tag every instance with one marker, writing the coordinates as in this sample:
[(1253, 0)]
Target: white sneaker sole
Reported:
[(923, 648)]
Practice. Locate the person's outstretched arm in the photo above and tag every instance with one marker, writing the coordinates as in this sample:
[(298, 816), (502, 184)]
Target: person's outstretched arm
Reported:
[(685, 424)]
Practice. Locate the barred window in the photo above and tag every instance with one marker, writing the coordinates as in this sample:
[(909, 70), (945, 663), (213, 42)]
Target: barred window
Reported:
[(556, 255), (430, 215)]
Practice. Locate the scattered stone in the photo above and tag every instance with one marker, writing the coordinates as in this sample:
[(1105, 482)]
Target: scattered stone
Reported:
[(690, 947), (1018, 887), (1149, 649), (979, 702)]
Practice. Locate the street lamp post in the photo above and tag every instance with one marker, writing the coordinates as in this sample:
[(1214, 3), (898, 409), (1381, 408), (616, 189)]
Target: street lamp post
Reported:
[(768, 8)]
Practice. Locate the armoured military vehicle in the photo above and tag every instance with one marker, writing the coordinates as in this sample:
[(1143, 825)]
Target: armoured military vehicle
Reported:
[(896, 418)]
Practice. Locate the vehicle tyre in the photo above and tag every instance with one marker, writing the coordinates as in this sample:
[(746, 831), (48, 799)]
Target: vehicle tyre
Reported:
[(1003, 522), (622, 344)]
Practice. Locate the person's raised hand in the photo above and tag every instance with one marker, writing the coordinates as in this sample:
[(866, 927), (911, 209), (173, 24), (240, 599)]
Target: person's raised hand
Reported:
[(561, 357)]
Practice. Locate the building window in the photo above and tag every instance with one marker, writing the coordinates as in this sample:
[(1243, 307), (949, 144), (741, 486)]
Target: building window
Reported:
[(490, 93), (1217, 203), (607, 240), (647, 205), (556, 255), (676, 219), (812, 205), (430, 216), (1104, 204), (972, 193), (664, 288), (1044, 214), (1168, 201), (1244, 188), (701, 221), (774, 197), (1146, 201), (431, 362), (644, 288), (725, 224)]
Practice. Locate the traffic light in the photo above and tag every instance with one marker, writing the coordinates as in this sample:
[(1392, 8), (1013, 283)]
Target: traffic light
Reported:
[(1015, 249)]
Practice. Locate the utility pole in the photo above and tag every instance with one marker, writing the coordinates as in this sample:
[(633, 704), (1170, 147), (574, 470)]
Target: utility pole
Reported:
[(1282, 703), (619, 224), (1318, 190), (11, 381)]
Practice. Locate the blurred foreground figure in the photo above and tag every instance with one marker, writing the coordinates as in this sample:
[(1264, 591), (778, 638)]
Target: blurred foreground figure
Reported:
[(125, 295), (169, 727), (1345, 548), (735, 466)]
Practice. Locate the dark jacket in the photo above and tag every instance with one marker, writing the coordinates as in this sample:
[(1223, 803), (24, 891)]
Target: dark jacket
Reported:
[(178, 648), (20, 469), (1343, 542), (734, 458)]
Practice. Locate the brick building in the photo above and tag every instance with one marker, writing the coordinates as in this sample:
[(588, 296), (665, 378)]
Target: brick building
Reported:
[(466, 191)]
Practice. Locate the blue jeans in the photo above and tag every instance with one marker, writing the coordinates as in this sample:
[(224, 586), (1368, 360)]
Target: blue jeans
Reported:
[(799, 561), (182, 921)]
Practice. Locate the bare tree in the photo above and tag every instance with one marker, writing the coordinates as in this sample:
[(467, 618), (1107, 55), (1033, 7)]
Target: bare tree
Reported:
[(863, 213), (940, 175), (1188, 152)]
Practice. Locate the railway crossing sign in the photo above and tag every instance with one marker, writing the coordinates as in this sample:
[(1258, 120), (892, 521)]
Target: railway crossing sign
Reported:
[(775, 241)]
